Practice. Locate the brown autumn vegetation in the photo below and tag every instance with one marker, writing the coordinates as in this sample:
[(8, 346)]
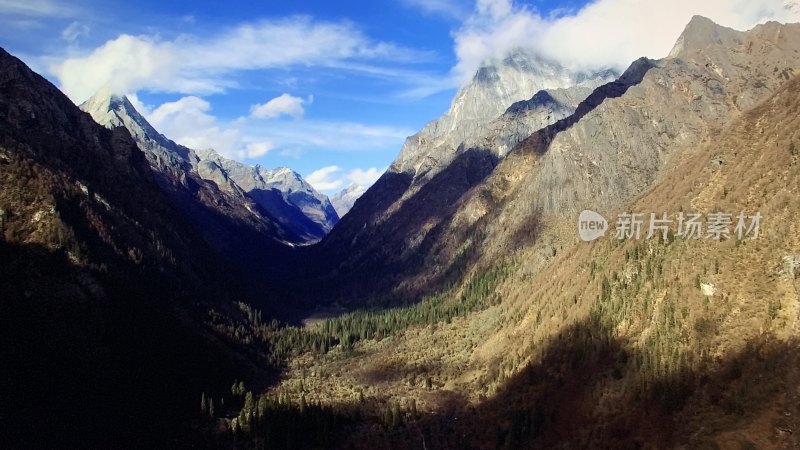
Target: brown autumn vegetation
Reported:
[(613, 344)]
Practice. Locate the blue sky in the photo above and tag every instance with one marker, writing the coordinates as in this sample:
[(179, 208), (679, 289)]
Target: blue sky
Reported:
[(330, 89)]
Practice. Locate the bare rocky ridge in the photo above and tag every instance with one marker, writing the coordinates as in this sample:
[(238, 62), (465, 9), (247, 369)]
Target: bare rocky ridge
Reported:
[(293, 211), (523, 118), (117, 111), (616, 149), (611, 148), (494, 88), (624, 135)]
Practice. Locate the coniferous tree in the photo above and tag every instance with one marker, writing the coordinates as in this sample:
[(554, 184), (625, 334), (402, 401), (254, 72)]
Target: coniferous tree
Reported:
[(203, 404), (247, 410), (262, 407), (395, 414), (211, 408), (235, 428)]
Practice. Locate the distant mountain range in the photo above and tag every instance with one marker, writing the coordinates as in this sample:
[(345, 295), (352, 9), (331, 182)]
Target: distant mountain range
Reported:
[(280, 196)]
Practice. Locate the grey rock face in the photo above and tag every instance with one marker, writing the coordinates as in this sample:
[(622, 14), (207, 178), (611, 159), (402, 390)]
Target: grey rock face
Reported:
[(494, 88), (282, 192), (524, 117), (596, 154), (298, 192), (616, 148), (111, 111), (346, 198)]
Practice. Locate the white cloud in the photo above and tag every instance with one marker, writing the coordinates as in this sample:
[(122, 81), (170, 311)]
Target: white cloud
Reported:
[(291, 152), (188, 122), (21, 24), (285, 105), (259, 149), (75, 31), (36, 8), (143, 109), (190, 64), (124, 65), (365, 177), (331, 178), (328, 135), (603, 33), (325, 179)]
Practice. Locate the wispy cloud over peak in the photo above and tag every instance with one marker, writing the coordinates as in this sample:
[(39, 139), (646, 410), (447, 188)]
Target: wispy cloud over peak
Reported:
[(331, 178), (600, 34), (284, 105), (192, 64), (37, 8)]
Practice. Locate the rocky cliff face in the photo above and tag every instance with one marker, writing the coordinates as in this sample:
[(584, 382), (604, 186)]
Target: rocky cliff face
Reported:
[(612, 147), (316, 206), (623, 136), (495, 87), (114, 111)]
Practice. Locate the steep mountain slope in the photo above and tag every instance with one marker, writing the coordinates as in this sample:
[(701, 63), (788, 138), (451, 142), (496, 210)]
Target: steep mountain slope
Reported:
[(610, 149), (101, 282), (626, 132), (643, 343), (384, 234), (281, 192), (343, 201)]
